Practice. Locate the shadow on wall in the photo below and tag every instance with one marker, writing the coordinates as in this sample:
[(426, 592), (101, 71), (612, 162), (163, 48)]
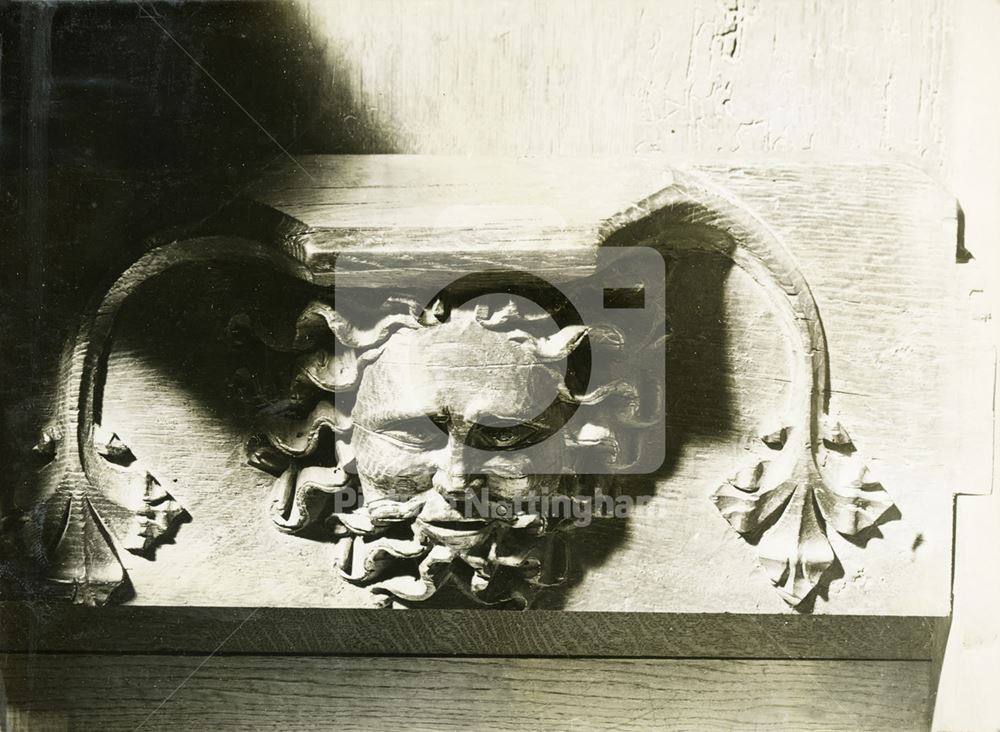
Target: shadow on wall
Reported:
[(118, 120), (138, 117)]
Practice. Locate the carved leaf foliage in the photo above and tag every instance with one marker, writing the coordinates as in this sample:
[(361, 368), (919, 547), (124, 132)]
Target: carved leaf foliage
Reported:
[(785, 504), (82, 557)]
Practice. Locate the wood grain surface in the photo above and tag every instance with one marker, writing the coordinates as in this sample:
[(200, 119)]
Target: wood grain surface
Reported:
[(601, 77), (48, 628), (290, 693)]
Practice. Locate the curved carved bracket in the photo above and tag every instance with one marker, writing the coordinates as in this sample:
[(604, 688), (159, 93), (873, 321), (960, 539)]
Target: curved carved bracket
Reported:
[(805, 474), (92, 479)]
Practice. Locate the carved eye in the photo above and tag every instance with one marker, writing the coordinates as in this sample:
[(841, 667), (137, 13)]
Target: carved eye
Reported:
[(419, 432), (505, 436)]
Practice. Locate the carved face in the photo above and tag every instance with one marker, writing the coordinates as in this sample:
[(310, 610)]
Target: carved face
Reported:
[(451, 408), (440, 414)]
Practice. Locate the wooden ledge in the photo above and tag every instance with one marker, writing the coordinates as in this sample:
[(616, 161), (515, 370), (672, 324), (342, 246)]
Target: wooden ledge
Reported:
[(57, 628)]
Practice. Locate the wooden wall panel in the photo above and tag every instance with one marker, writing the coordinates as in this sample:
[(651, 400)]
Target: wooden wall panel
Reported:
[(681, 77), (45, 628), (290, 693)]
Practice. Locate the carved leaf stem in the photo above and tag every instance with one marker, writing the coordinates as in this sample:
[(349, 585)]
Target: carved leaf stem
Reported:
[(96, 496), (807, 474)]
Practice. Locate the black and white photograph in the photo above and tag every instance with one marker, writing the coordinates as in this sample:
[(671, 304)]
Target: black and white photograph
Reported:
[(499, 364)]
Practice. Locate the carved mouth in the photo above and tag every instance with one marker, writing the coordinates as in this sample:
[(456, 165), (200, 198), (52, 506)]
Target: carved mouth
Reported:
[(463, 531), (461, 525)]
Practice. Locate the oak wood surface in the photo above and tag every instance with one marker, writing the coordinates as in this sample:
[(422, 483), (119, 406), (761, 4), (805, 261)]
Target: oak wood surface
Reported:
[(266, 692), (697, 77), (47, 628)]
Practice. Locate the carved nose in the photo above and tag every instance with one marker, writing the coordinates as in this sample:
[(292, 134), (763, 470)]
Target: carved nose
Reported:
[(450, 483), (452, 476)]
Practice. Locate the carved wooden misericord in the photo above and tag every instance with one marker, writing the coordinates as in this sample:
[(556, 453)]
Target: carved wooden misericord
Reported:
[(389, 394)]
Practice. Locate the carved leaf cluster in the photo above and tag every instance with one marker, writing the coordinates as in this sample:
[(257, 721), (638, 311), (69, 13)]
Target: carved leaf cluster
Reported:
[(785, 501)]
